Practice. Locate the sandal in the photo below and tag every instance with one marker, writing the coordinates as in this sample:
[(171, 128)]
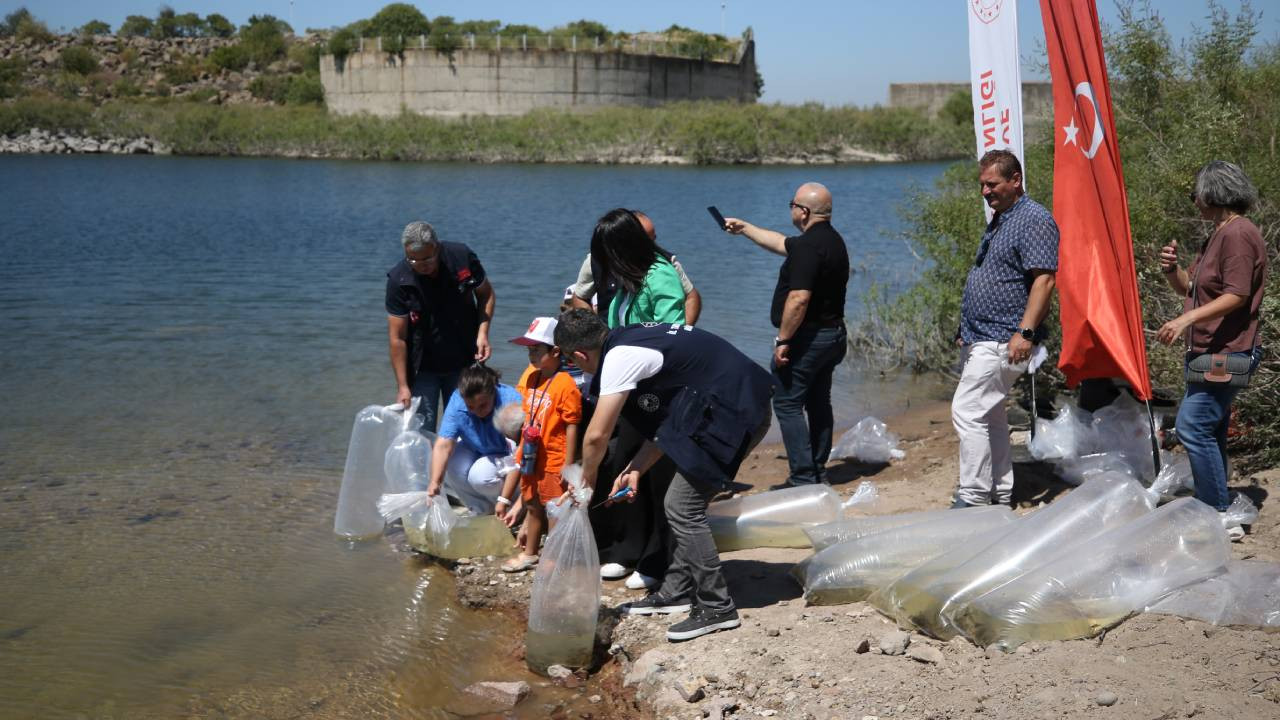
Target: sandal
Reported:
[(519, 563)]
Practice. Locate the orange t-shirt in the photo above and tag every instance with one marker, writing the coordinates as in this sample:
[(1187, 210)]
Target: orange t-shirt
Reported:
[(551, 407)]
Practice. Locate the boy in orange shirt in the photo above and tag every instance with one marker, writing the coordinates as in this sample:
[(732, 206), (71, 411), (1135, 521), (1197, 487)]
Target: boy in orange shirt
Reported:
[(548, 440)]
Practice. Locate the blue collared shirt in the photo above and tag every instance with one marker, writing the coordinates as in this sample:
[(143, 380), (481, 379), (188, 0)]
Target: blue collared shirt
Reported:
[(1017, 241)]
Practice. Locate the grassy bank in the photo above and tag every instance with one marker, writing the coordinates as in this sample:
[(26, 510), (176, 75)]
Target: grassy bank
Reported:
[(702, 132)]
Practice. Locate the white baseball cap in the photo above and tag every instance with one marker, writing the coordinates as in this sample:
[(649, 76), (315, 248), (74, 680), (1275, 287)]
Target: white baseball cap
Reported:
[(541, 331)]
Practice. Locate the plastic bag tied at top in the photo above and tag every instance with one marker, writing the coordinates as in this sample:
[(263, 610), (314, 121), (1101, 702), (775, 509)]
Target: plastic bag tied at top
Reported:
[(364, 478), (778, 518), (1096, 586), (869, 441), (565, 600)]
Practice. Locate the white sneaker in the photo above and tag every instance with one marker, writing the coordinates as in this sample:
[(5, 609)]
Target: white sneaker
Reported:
[(1235, 534), (612, 571), (638, 581)]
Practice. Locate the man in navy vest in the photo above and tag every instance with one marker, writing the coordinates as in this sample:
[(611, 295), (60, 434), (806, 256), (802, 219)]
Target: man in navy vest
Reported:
[(696, 399), (439, 305)]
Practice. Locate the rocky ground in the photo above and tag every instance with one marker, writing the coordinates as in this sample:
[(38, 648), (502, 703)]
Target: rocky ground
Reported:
[(847, 661), (61, 143)]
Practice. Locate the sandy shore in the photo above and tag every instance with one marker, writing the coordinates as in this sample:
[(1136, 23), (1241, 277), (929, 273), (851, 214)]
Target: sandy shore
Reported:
[(793, 661)]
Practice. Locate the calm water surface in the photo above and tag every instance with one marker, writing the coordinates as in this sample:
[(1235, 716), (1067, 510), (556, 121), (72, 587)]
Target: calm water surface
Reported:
[(183, 345)]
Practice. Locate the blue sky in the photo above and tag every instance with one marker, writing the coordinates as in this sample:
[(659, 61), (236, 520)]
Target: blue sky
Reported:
[(836, 53)]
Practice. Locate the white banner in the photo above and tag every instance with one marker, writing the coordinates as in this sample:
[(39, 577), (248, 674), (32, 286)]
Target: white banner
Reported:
[(995, 78)]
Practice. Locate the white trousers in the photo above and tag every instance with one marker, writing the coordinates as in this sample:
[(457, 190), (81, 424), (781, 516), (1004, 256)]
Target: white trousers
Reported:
[(473, 479), (982, 423)]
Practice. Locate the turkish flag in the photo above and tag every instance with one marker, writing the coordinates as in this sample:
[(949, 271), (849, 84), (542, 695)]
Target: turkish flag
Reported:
[(1097, 287)]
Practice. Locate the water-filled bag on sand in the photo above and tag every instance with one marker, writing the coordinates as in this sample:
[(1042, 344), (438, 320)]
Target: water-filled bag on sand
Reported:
[(920, 598), (869, 441), (1247, 594), (565, 601), (1082, 593), (364, 477), (851, 570), (828, 534), (778, 518)]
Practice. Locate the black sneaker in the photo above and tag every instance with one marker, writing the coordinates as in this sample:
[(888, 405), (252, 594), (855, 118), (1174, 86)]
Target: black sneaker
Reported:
[(701, 623), (656, 604)]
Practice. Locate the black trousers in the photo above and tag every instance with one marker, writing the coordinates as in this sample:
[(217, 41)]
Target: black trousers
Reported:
[(634, 534)]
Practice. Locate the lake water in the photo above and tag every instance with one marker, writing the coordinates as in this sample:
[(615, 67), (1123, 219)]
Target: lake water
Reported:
[(185, 342)]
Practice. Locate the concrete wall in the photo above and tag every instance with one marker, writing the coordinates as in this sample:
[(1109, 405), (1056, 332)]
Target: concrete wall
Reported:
[(511, 82), (1037, 98)]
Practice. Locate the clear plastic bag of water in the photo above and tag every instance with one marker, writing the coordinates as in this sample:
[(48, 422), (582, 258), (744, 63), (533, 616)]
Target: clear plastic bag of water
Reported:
[(565, 601), (1247, 595), (778, 518), (1069, 434), (1084, 592), (850, 571), (828, 534), (407, 464), (922, 597), (869, 441), (364, 478)]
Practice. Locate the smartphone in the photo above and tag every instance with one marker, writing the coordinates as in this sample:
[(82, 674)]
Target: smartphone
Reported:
[(717, 216)]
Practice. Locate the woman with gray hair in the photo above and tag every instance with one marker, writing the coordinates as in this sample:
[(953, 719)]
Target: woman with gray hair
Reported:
[(1219, 322)]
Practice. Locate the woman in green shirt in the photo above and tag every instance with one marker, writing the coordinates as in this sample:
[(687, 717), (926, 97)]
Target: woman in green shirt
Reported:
[(648, 288)]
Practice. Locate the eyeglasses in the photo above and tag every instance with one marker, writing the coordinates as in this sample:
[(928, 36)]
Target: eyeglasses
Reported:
[(422, 261), (795, 204)]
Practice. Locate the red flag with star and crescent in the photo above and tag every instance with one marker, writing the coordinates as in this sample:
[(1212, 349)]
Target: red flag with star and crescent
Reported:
[(1097, 286)]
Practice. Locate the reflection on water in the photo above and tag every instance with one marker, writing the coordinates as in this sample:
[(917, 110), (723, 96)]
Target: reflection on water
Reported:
[(186, 342)]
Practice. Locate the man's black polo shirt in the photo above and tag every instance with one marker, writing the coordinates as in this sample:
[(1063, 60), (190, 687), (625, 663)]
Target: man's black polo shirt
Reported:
[(442, 310), (818, 261)]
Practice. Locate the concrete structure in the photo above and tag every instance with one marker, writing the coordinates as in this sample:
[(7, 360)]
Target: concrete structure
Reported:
[(515, 81), (1037, 98)]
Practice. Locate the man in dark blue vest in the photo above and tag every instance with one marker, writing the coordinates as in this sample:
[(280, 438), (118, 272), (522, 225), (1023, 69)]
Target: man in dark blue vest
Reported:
[(696, 399), (439, 305)]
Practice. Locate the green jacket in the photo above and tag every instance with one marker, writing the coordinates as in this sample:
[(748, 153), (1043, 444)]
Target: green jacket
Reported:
[(660, 300)]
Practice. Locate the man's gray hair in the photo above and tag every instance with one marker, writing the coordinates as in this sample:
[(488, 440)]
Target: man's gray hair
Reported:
[(1224, 185), (509, 420), (418, 235)]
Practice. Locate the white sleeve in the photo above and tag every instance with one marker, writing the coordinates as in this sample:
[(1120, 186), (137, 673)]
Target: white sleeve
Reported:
[(626, 365), (585, 287)]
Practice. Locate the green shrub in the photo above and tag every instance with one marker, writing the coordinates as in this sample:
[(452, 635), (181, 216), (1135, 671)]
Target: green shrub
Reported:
[(273, 88), (308, 56), (45, 113), (263, 40), (161, 89), (341, 44), (305, 90), (78, 59), (94, 27), (229, 57), (136, 26), (398, 20), (218, 25), (14, 20), (11, 72), (201, 94), (31, 29), (125, 88), (958, 108), (181, 72)]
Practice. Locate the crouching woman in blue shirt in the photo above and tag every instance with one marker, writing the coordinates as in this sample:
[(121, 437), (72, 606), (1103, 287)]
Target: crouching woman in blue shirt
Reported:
[(465, 458)]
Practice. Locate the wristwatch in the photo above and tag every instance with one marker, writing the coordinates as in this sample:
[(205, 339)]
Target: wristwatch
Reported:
[(1027, 334), (779, 342)]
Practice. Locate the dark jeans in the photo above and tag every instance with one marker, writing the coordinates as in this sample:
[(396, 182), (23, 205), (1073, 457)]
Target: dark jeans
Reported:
[(435, 390), (803, 386), (1202, 424), (695, 564)]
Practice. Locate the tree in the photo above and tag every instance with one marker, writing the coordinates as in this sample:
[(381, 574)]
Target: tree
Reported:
[(396, 22), (166, 24), (263, 39), (94, 27), (219, 26), (13, 20), (136, 26), (79, 60), (189, 25), (587, 28)]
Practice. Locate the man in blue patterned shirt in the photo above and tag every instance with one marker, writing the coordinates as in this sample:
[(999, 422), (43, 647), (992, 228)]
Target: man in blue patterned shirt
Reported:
[(1006, 297)]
